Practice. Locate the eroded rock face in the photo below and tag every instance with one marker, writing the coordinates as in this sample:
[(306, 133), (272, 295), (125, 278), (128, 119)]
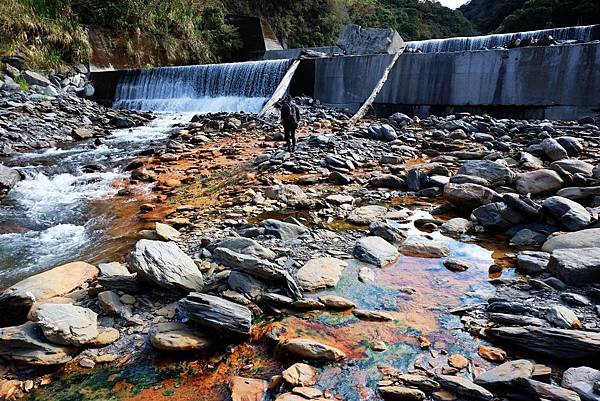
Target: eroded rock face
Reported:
[(27, 344), (67, 324), (312, 350), (320, 273), (16, 301), (165, 264), (356, 40), (218, 314)]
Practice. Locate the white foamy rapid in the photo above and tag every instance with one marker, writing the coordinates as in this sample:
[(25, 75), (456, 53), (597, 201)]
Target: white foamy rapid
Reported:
[(49, 218), (577, 33), (201, 88)]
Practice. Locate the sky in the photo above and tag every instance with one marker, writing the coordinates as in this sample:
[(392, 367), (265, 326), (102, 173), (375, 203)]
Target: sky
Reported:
[(453, 3)]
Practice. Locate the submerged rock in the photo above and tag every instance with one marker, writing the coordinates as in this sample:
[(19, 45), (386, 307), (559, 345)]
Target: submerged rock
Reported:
[(16, 301), (177, 337), (27, 344), (166, 265), (218, 314), (375, 250)]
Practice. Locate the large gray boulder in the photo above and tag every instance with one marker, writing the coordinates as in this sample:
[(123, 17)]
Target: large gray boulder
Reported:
[(356, 40), (8, 179), (588, 238), (570, 214), (582, 381), (507, 375), (576, 193), (538, 182), (166, 265), (246, 246), (320, 273), (494, 173), (67, 324), (375, 250), (27, 344), (553, 150), (218, 314), (532, 262), (556, 343), (252, 265), (576, 266), (283, 230), (497, 215)]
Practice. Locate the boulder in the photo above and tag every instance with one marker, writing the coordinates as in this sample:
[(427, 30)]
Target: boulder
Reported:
[(246, 246), (245, 389), (375, 250), (320, 273), (494, 173), (386, 231), (291, 195), (588, 238), (545, 391), (469, 196), (27, 344), (574, 166), (356, 40), (218, 314), (283, 230), (307, 348), (571, 214), (497, 215), (579, 266), (578, 193), (538, 182), (8, 179), (16, 301), (456, 226), (464, 387), (424, 250), (389, 181), (166, 265), (366, 215), (249, 264), (572, 145), (553, 150), (532, 262), (562, 316), (33, 78), (582, 380), (300, 374), (556, 343), (177, 337), (372, 315), (67, 324)]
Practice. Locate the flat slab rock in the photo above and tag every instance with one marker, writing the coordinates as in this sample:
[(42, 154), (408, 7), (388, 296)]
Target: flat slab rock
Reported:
[(375, 250), (27, 344), (576, 266), (246, 389), (588, 238), (16, 301), (177, 337), (310, 349), (166, 265), (320, 273), (67, 324), (218, 314), (424, 250), (464, 387), (253, 265)]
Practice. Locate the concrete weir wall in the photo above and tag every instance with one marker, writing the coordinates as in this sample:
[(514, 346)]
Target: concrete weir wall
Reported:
[(558, 82)]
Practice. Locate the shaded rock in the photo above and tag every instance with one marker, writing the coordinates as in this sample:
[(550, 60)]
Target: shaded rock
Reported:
[(527, 238), (532, 262), (578, 193), (249, 264), (538, 182), (497, 215), (320, 273), (588, 238), (67, 324), (464, 387), (556, 343), (386, 231), (310, 349), (388, 181), (562, 316), (283, 230), (16, 301), (469, 196), (494, 173), (582, 381), (300, 374), (375, 250), (545, 391), (218, 314), (244, 389), (33, 78), (456, 265), (574, 166), (571, 214), (507, 319), (8, 179), (575, 299), (553, 150), (246, 246), (110, 302), (166, 265), (27, 344), (424, 250), (572, 145), (576, 266), (177, 337)]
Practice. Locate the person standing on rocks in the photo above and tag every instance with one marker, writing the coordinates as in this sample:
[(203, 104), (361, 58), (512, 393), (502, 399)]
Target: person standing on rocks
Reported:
[(290, 117)]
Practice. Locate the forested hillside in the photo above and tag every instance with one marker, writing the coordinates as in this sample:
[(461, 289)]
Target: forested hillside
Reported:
[(54, 33), (522, 15)]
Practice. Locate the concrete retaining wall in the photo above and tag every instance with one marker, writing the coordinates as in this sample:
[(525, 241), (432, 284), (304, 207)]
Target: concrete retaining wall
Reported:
[(561, 82)]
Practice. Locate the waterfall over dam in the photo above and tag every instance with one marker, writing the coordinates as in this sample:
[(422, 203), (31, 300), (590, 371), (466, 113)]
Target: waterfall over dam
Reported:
[(229, 87), (577, 33)]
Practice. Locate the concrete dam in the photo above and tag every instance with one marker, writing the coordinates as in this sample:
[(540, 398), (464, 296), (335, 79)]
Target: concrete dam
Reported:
[(442, 77)]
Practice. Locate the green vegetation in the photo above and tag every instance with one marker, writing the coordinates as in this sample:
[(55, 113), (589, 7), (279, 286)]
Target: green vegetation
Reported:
[(22, 83), (522, 15)]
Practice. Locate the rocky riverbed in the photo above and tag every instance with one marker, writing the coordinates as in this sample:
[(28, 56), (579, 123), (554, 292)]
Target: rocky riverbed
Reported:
[(403, 259)]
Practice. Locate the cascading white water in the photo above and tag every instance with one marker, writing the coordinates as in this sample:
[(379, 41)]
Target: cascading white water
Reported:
[(201, 88), (578, 33)]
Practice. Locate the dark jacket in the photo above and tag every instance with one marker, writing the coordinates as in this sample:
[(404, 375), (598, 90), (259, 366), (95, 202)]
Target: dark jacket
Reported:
[(290, 115)]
